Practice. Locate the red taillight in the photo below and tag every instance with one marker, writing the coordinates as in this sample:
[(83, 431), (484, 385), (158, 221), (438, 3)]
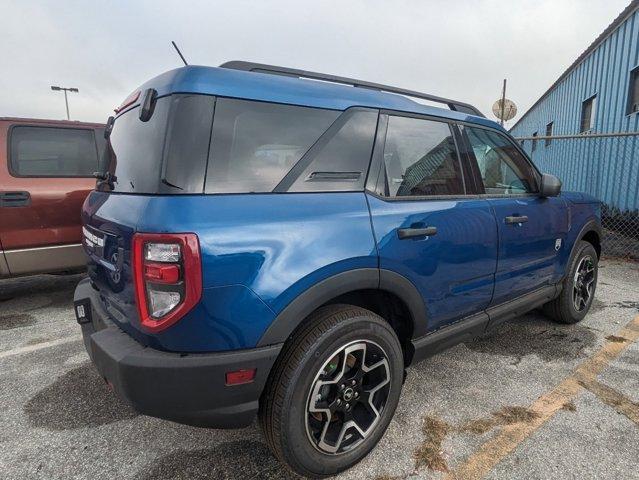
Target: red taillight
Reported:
[(157, 272), (167, 271)]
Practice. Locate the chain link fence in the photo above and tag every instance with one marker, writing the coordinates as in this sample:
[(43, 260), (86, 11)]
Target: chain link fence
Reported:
[(605, 166)]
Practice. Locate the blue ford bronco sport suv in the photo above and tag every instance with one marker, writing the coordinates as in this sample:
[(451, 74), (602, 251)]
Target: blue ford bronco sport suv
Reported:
[(271, 241)]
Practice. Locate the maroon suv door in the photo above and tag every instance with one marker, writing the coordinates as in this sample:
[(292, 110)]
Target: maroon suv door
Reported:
[(44, 179)]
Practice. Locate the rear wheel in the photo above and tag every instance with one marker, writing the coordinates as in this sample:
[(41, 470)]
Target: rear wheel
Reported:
[(333, 392), (579, 286)]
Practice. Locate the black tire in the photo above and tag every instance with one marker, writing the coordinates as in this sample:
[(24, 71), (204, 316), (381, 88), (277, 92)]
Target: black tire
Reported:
[(284, 407), (563, 308)]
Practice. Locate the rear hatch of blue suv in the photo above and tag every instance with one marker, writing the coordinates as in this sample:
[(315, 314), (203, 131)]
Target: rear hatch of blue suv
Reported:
[(146, 325)]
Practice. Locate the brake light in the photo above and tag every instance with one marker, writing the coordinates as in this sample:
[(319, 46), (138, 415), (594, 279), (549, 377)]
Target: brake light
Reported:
[(128, 101), (167, 271)]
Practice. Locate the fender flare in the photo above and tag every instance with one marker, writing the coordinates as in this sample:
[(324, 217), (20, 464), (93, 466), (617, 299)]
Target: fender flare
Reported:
[(359, 279), (592, 225)]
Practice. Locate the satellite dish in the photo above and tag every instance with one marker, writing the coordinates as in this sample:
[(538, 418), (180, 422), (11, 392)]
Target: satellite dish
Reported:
[(510, 109)]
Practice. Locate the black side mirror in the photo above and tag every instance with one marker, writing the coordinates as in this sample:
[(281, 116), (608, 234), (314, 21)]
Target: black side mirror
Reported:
[(550, 185)]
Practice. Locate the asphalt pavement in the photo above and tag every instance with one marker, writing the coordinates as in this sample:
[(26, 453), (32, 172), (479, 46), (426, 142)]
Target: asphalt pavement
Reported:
[(531, 400)]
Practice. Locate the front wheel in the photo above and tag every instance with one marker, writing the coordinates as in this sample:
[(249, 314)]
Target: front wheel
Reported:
[(579, 285), (333, 391)]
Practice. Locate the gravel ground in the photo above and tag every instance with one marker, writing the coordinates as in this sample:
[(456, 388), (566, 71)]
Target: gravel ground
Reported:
[(481, 409)]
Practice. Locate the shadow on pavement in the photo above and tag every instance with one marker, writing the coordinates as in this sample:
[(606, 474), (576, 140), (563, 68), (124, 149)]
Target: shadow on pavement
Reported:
[(528, 336), (230, 460), (61, 286), (78, 399), (8, 322)]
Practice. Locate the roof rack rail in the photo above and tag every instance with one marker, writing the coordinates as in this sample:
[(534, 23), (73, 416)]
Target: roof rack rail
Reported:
[(293, 72)]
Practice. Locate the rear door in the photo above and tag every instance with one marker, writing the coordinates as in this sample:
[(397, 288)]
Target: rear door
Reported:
[(49, 172), (428, 226), (532, 229)]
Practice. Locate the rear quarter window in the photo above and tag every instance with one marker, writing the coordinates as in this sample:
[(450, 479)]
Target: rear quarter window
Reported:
[(255, 144), (52, 152), (340, 161)]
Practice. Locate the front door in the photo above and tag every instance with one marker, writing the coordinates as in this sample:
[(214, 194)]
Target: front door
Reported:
[(532, 229), (426, 227)]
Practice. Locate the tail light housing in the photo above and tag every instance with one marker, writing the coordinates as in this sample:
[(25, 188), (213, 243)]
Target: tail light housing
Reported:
[(167, 272)]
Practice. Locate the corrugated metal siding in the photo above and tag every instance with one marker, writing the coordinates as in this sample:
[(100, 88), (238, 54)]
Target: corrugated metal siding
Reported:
[(607, 168)]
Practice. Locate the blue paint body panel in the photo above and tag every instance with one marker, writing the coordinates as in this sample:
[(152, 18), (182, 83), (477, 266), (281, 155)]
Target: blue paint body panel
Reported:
[(259, 252), (527, 254), (454, 269)]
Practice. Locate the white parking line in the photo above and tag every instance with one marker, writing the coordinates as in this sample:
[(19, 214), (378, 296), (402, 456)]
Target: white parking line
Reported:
[(39, 346)]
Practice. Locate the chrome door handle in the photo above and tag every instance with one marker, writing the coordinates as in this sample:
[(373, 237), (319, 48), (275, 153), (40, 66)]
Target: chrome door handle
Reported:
[(403, 233), (516, 219)]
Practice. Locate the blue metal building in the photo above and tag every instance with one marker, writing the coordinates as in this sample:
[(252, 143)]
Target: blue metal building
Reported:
[(597, 94)]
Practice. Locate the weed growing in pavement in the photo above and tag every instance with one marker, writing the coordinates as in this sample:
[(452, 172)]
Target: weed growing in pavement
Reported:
[(429, 453)]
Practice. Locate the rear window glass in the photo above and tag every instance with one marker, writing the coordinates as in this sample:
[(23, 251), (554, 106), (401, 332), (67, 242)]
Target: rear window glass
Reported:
[(255, 144), (134, 150), (53, 152)]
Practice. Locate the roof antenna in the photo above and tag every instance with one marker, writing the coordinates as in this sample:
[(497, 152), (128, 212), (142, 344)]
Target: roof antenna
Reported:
[(179, 53)]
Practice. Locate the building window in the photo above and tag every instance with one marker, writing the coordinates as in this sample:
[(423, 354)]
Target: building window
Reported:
[(588, 112), (633, 97), (534, 142), (548, 141)]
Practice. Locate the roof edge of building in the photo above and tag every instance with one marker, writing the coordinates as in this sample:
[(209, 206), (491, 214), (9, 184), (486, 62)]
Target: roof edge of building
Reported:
[(616, 23)]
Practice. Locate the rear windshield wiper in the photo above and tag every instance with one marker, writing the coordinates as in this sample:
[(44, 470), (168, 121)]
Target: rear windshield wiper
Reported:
[(105, 178)]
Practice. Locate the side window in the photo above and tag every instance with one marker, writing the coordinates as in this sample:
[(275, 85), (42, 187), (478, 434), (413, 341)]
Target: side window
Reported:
[(633, 93), (341, 162), (421, 159), (254, 144), (588, 112), (52, 152), (504, 170)]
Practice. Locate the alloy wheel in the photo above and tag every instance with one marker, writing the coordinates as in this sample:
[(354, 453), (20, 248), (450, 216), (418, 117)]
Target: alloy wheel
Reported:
[(347, 397), (583, 283)]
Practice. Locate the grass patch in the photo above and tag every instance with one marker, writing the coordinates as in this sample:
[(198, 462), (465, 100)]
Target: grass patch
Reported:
[(616, 339), (569, 406), (478, 427), (510, 415), (429, 453)]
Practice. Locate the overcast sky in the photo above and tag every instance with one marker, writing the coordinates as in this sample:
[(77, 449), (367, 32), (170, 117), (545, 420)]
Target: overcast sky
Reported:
[(458, 49)]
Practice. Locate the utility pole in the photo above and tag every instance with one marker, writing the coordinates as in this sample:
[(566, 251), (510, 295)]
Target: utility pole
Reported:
[(503, 104), (66, 100)]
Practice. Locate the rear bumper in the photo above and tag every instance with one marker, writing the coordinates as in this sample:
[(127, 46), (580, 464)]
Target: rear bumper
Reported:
[(185, 388)]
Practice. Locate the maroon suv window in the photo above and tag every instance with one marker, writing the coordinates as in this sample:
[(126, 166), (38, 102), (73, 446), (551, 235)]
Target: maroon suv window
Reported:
[(52, 152)]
